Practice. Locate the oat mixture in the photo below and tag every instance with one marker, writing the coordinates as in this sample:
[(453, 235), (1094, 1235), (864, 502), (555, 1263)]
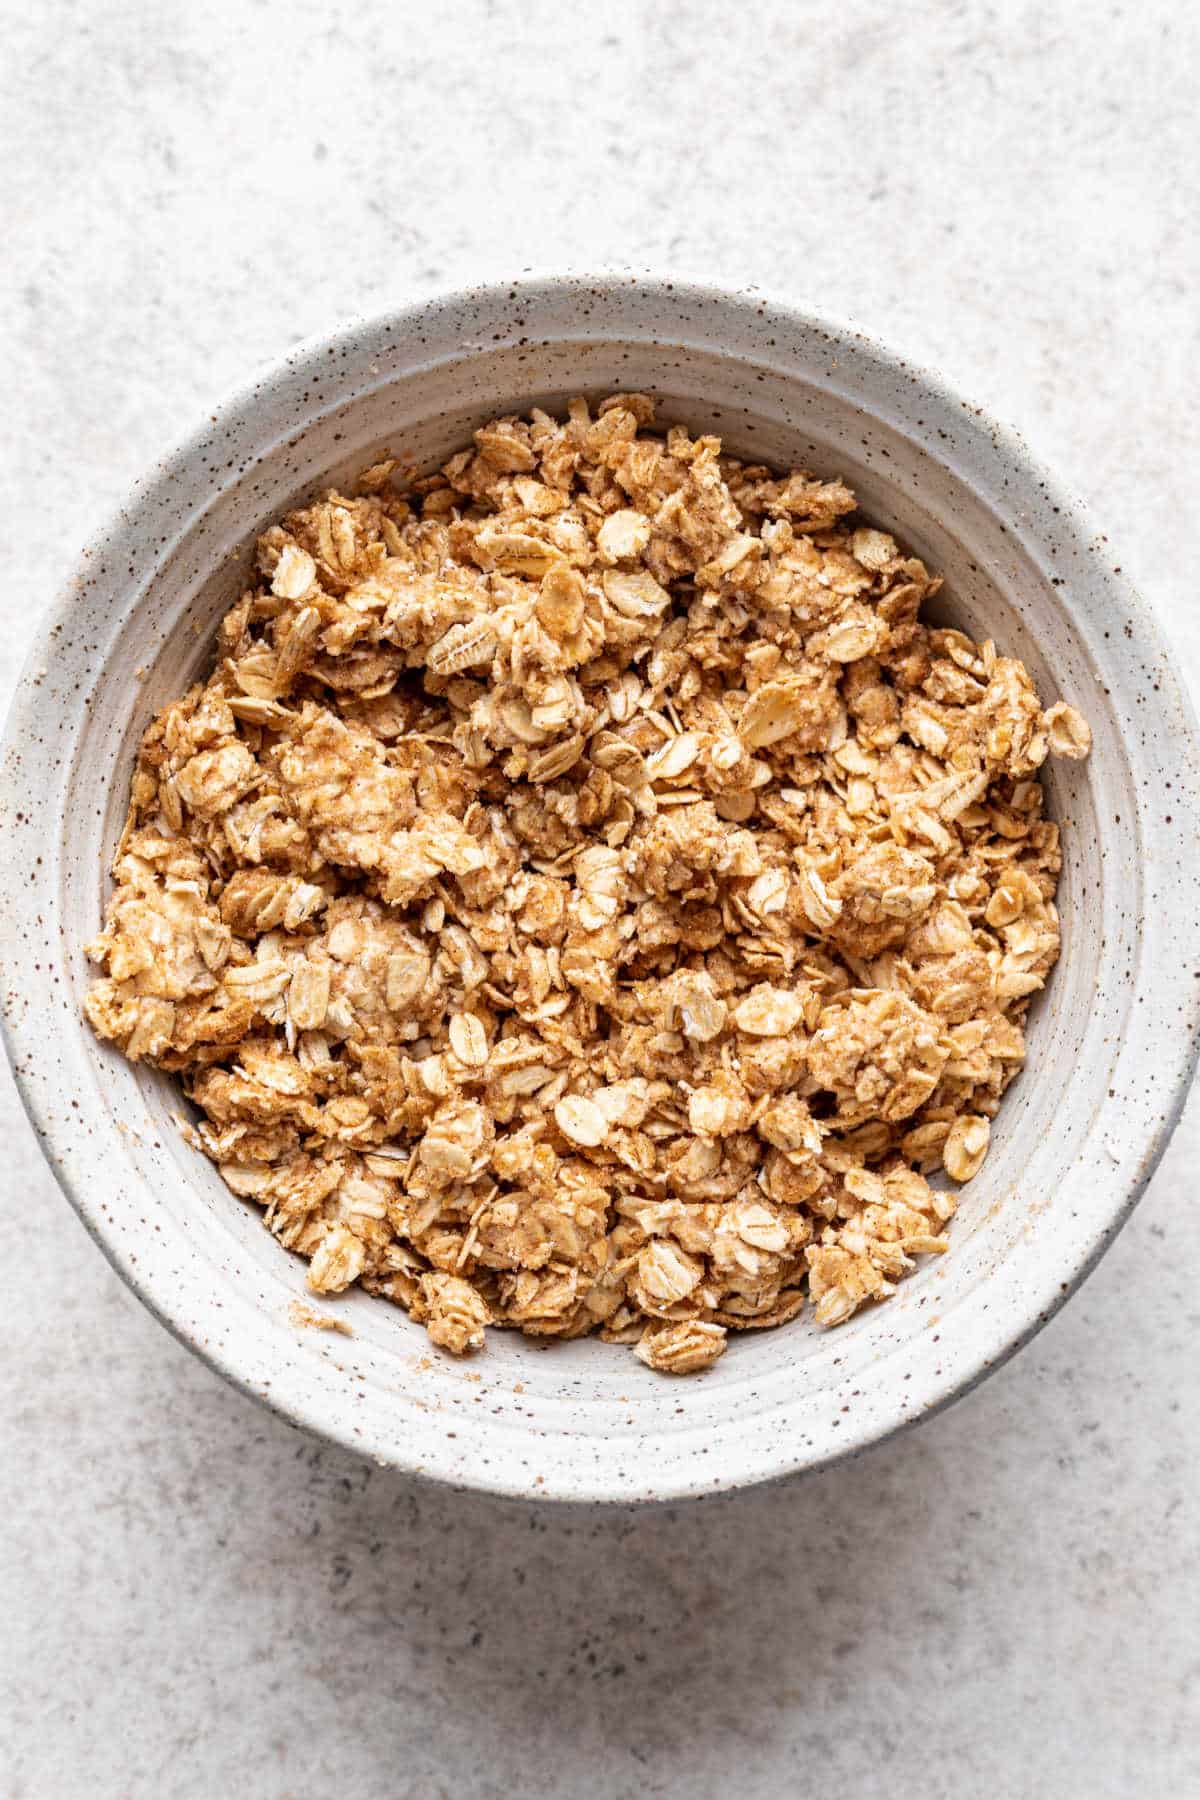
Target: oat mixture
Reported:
[(586, 897)]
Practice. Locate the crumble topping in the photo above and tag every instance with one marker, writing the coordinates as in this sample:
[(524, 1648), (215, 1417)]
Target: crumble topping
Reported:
[(584, 896)]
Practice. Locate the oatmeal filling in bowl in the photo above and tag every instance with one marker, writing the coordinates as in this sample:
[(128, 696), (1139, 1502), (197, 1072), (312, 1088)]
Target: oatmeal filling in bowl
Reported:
[(588, 894)]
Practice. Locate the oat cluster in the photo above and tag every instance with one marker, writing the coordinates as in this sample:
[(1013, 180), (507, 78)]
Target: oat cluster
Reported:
[(586, 897)]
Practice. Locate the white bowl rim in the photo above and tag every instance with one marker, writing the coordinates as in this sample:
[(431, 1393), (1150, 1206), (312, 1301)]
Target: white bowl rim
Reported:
[(997, 1338)]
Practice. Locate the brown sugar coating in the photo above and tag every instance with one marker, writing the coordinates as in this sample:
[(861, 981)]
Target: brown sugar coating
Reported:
[(585, 896)]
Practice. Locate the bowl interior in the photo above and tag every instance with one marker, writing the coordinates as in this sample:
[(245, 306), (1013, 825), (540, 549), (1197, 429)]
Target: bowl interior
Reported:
[(994, 587)]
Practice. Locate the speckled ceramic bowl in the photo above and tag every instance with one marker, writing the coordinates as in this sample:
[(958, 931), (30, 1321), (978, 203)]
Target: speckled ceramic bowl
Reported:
[(1111, 1044)]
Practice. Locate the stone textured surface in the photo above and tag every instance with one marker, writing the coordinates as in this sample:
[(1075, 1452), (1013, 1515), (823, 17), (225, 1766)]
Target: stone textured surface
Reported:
[(196, 1598)]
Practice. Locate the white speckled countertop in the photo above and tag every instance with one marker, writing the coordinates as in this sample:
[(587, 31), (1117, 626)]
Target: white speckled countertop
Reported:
[(197, 1600)]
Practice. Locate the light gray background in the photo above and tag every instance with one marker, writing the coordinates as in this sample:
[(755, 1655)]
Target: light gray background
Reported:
[(197, 1601)]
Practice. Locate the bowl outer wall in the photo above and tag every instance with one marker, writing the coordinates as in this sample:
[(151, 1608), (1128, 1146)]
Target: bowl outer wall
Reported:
[(313, 1382)]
